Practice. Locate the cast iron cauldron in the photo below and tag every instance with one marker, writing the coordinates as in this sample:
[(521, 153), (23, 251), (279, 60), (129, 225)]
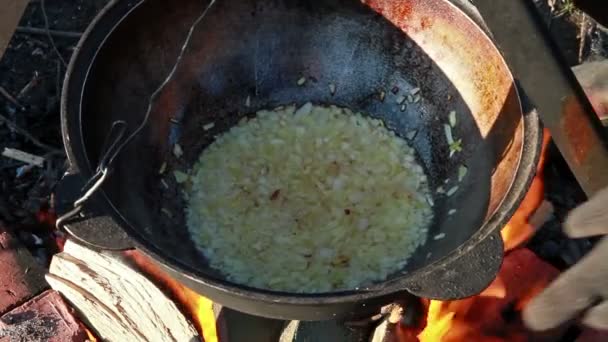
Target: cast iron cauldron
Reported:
[(258, 49)]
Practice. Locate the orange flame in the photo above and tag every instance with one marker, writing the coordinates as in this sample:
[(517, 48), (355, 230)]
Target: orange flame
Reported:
[(482, 318), (199, 307), (90, 336), (439, 322), (519, 230), (521, 277)]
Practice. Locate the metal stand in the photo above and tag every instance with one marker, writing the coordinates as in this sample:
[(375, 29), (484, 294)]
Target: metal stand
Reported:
[(537, 63)]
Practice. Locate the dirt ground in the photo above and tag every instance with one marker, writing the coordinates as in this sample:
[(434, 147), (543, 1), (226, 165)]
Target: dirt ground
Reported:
[(32, 72)]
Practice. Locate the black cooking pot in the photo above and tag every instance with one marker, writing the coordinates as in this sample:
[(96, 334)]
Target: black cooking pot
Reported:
[(258, 49)]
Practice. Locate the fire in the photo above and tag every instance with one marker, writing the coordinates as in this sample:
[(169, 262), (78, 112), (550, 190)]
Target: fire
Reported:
[(439, 322), (491, 316), (519, 230), (199, 307), (90, 336)]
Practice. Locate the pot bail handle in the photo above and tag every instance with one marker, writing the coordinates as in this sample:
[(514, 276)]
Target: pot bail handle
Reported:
[(112, 147), (119, 128), (466, 276), (91, 226)]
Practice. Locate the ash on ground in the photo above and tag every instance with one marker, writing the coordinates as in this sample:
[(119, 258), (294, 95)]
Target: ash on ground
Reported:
[(29, 327), (31, 77)]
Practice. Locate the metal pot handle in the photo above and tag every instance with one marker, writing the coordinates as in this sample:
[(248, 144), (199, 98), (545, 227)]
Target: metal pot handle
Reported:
[(87, 222), (117, 139), (468, 275), (112, 148)]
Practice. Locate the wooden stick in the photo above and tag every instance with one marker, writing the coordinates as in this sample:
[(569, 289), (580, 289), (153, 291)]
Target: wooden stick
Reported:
[(25, 157), (10, 98), (41, 31), (47, 29), (13, 126), (117, 301)]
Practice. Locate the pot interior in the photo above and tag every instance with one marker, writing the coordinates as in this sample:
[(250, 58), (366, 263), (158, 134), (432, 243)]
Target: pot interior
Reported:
[(259, 49)]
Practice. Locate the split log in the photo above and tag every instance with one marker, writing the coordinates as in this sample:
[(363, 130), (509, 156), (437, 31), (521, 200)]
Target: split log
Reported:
[(115, 299)]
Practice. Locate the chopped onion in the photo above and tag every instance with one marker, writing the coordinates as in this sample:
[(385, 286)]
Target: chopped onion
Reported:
[(452, 191), (455, 146), (180, 177), (452, 117), (209, 126), (164, 184), (301, 81), (163, 168), (462, 172), (381, 95), (403, 107), (178, 152), (451, 212), (304, 110), (448, 134), (415, 91), (352, 205), (167, 212), (439, 236), (363, 224)]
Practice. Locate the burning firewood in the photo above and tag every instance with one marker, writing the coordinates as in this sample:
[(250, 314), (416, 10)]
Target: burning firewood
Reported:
[(115, 299)]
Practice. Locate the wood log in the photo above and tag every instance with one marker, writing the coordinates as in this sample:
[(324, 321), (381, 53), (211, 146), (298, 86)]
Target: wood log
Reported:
[(116, 300)]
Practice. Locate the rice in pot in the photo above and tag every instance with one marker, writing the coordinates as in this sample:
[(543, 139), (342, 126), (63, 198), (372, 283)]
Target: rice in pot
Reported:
[(309, 200)]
